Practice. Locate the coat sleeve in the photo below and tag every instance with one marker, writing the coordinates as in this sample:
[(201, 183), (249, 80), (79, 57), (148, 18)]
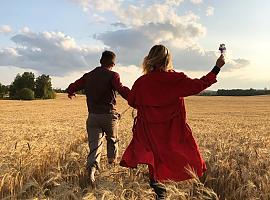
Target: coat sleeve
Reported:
[(189, 86), (132, 96)]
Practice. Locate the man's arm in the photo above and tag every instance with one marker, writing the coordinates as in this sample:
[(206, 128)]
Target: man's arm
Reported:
[(76, 86), (118, 86)]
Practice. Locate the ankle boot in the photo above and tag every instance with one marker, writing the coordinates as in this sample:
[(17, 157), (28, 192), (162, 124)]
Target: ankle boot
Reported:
[(159, 189)]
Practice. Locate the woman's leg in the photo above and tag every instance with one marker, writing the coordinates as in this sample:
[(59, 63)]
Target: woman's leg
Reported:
[(151, 172), (159, 188)]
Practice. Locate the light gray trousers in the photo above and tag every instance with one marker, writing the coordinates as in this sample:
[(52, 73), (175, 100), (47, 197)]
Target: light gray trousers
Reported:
[(100, 126)]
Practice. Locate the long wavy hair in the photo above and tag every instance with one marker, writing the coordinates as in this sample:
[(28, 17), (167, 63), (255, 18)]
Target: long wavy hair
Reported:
[(158, 58)]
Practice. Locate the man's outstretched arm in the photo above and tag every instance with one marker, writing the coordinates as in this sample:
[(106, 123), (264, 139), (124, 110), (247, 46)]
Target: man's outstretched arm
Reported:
[(118, 86), (76, 86)]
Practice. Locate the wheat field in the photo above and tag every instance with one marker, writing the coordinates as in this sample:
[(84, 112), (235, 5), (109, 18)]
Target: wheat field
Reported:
[(44, 146)]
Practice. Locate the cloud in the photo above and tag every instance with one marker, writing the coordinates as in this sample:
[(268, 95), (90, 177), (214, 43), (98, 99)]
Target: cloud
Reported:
[(5, 29), (241, 62), (52, 53), (25, 29), (134, 14), (98, 18), (119, 24), (132, 44), (196, 1), (97, 5), (210, 11), (143, 25), (197, 59), (155, 13), (173, 2)]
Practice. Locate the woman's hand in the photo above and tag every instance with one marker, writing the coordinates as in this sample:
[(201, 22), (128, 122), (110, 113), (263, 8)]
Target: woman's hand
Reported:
[(220, 61)]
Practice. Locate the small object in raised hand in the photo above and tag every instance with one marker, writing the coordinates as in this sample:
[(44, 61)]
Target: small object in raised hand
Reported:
[(222, 48)]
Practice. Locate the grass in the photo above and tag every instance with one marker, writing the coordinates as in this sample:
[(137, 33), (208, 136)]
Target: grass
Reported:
[(44, 147)]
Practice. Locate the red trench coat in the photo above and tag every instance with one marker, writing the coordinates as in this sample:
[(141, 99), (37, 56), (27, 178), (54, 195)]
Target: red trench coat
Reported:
[(161, 136)]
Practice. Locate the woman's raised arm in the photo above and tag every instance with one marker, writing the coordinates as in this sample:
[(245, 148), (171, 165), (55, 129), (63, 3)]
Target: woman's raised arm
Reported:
[(189, 86)]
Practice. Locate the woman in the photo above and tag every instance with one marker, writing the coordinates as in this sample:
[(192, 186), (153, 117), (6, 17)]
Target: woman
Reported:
[(162, 138)]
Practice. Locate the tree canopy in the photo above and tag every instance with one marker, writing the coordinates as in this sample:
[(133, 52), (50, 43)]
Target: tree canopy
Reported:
[(41, 87), (26, 80), (3, 90)]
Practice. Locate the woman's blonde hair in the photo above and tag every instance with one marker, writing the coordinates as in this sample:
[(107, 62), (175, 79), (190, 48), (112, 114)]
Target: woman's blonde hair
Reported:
[(158, 58)]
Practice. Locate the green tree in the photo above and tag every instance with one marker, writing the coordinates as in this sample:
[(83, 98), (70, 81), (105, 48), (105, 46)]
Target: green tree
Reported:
[(26, 94), (3, 90), (43, 87), (26, 80)]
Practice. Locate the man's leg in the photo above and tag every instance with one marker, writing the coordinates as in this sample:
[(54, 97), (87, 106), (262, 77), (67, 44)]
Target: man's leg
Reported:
[(110, 126), (95, 141)]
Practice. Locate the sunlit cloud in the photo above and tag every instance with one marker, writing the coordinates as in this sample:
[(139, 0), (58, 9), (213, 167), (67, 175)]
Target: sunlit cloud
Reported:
[(5, 29), (196, 1), (210, 11), (53, 53)]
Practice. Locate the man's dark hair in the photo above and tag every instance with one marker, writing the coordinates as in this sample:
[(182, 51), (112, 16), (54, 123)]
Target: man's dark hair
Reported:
[(107, 58)]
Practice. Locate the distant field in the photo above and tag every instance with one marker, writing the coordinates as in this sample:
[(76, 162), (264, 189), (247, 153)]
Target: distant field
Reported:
[(43, 149)]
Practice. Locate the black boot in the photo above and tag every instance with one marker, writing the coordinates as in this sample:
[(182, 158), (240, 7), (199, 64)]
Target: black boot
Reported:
[(159, 189)]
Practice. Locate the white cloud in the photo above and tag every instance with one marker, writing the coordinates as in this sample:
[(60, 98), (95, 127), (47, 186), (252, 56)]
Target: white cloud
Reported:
[(5, 29), (155, 13), (99, 18), (52, 53), (197, 59), (210, 11), (25, 29), (173, 2), (196, 1), (97, 5), (134, 15), (132, 44)]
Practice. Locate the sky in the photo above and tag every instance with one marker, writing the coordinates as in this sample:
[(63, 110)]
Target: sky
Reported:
[(65, 38)]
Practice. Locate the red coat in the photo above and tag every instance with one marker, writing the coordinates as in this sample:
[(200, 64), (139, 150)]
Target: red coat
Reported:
[(161, 135)]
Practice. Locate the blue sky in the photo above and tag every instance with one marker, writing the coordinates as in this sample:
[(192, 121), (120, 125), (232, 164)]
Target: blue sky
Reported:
[(65, 38)]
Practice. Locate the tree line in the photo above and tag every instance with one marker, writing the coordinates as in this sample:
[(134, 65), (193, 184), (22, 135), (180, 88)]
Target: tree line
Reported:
[(27, 87), (236, 92)]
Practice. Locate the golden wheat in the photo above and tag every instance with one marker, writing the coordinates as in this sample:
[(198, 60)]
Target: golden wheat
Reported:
[(44, 147)]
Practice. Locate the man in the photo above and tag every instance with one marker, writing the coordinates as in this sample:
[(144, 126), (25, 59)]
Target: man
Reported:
[(100, 86)]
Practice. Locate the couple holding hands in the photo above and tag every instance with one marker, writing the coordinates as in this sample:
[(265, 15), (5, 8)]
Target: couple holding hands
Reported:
[(162, 139)]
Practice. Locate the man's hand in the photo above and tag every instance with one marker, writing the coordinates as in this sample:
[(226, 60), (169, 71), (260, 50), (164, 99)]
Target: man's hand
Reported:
[(220, 61), (71, 95)]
